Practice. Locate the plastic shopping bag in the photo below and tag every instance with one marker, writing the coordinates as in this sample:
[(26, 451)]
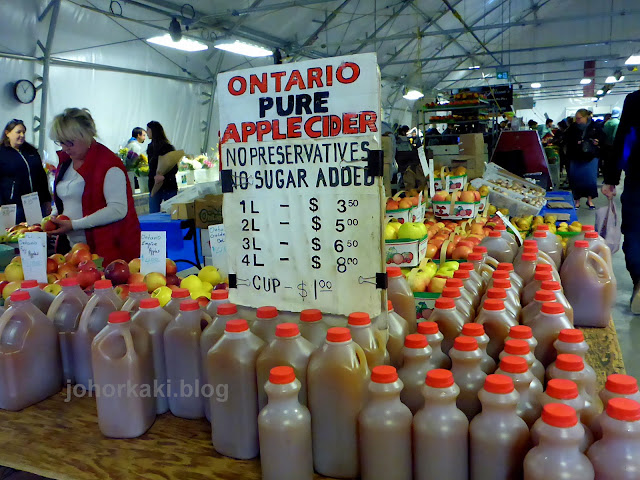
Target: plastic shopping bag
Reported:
[(608, 226)]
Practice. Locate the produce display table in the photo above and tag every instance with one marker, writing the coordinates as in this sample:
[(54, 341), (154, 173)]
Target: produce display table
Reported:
[(61, 440), (566, 197)]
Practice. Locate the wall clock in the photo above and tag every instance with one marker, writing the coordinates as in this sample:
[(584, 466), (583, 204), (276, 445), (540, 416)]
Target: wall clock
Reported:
[(24, 91)]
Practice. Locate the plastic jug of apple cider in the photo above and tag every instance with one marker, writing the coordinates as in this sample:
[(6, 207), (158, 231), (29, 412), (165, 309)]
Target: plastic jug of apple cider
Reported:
[(558, 455), (489, 260), (571, 367), (529, 292), (480, 267), (520, 348), (400, 294), (498, 437), (546, 326), (65, 312), (459, 282), (463, 306), (290, 349), (529, 312), (312, 328), (284, 429), (398, 330), (475, 330), (549, 243), (439, 359), (184, 359), (497, 247), (522, 332), (616, 386), (508, 236), (588, 286), (525, 267), (515, 279), (556, 288), (466, 360), (218, 297), (565, 392), (41, 299), (475, 277), (178, 296), (93, 319), (417, 362), (370, 339), (617, 455), (579, 236), (137, 291), (600, 247), (231, 370), (571, 340), (337, 379), (449, 320), (513, 298), (501, 294), (500, 279), (529, 387), (267, 318), (121, 355), (154, 319), (496, 321), (29, 355), (440, 431), (384, 428)]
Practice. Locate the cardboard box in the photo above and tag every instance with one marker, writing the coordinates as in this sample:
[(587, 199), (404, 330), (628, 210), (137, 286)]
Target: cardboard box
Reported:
[(444, 149), (472, 144), (425, 303), (208, 211), (182, 211), (455, 211), (405, 253)]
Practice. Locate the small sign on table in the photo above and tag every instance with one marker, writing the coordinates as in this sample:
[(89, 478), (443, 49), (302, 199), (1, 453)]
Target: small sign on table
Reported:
[(7, 216), (32, 208), (219, 249), (153, 252), (33, 253)]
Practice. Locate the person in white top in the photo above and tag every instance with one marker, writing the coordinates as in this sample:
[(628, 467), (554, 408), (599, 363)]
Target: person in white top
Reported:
[(135, 143)]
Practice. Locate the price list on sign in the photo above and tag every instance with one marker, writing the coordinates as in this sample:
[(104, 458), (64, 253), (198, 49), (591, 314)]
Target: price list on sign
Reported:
[(303, 213)]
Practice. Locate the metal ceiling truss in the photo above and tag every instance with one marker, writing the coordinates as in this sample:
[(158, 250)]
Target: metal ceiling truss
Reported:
[(373, 37)]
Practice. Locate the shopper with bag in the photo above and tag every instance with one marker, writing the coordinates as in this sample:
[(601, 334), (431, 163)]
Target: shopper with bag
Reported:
[(159, 146), (626, 156)]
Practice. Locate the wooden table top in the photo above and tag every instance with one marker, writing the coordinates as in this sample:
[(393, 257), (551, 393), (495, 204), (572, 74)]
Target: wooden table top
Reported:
[(61, 440)]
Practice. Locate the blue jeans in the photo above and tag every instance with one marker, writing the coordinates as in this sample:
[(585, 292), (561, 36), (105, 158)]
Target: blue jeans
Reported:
[(158, 198)]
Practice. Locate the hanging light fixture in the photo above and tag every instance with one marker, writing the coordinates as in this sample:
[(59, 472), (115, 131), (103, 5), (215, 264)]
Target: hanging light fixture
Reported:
[(412, 94)]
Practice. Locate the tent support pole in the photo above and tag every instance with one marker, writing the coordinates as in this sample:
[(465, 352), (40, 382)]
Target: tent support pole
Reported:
[(55, 10)]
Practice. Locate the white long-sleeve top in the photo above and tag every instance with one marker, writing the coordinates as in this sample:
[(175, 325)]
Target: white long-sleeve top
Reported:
[(70, 190)]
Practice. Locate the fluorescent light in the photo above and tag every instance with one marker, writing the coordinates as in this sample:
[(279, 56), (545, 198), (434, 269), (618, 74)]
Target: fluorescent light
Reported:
[(475, 67), (185, 44), (599, 92), (536, 85), (585, 81), (413, 95), (444, 102), (633, 60), (612, 79), (246, 49)]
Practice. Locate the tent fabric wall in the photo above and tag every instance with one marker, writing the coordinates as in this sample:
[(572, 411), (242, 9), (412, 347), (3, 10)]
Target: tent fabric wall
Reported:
[(12, 71)]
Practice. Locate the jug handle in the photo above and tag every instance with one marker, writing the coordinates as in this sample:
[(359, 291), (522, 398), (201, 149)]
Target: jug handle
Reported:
[(362, 359), (486, 268), (380, 341), (602, 264), (492, 262)]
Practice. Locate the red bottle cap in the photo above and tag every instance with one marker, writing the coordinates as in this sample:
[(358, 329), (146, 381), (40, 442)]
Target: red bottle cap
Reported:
[(220, 294), (543, 276), (415, 340), (495, 234), (500, 228), (189, 305), (141, 287), (461, 274), (588, 228), (545, 296), (465, 266), (505, 266), (516, 347), (119, 317), (511, 364), (591, 235), (149, 303), (552, 308), (624, 409), (445, 303), (180, 293), (493, 304), (227, 309), (102, 284), (571, 335), (529, 257), (559, 415), (451, 292), (267, 312), (542, 227), (236, 325), (394, 272), (70, 282), (474, 257), (499, 293), (562, 389), (501, 274), (497, 383), (472, 330), (359, 318), (338, 334), (281, 375), (439, 378), (502, 282), (465, 344), (286, 330), (479, 249), (520, 332), (621, 384), (551, 285), (34, 283), (569, 362), (389, 306), (310, 315), (581, 244), (530, 243), (20, 296), (530, 249), (384, 374), (453, 282), (428, 328), (538, 234), (543, 267)]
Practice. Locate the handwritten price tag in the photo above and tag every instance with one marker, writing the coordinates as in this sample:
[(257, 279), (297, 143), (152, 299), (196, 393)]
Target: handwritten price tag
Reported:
[(32, 209), (33, 252), (427, 169), (153, 252), (218, 249), (7, 216)]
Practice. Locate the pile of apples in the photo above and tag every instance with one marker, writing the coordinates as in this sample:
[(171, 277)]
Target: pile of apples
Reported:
[(428, 277), (411, 199)]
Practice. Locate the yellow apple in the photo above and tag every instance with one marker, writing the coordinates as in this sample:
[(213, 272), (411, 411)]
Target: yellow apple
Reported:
[(210, 275), (163, 294), (154, 280), (207, 287), (412, 231), (53, 288), (13, 272), (390, 233), (191, 283)]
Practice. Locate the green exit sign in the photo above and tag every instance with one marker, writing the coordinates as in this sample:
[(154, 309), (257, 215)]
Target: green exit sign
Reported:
[(502, 75)]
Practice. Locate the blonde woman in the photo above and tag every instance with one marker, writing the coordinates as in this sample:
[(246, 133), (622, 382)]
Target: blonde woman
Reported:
[(93, 190)]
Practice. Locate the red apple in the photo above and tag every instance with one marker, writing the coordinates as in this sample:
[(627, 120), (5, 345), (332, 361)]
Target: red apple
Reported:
[(172, 268), (221, 286), (67, 271), (34, 228), (154, 280), (79, 256), (87, 278), (3, 284), (86, 264), (172, 279), (122, 291), (52, 265), (63, 217), (174, 287), (136, 278), (203, 301), (80, 246), (118, 272)]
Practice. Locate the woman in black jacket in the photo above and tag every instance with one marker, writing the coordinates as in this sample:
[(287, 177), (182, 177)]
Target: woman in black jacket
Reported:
[(21, 170), (159, 146)]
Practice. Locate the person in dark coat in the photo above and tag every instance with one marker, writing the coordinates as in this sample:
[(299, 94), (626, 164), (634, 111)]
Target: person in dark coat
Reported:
[(21, 170), (159, 146), (583, 140)]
